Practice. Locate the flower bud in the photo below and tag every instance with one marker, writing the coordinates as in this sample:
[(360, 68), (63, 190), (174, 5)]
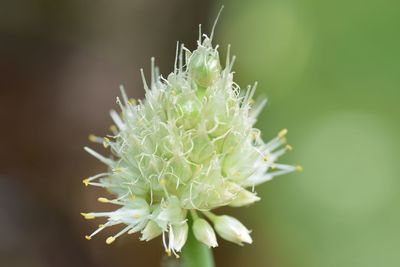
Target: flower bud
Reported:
[(204, 66), (232, 230), (203, 232)]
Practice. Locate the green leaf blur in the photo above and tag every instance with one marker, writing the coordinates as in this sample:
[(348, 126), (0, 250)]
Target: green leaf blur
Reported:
[(330, 70)]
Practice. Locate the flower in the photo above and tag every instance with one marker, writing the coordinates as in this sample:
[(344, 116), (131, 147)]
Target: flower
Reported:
[(188, 148)]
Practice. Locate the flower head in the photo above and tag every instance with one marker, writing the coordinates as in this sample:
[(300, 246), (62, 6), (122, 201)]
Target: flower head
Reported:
[(189, 147)]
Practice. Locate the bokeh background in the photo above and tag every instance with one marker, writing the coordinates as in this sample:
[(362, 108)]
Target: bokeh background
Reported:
[(330, 70)]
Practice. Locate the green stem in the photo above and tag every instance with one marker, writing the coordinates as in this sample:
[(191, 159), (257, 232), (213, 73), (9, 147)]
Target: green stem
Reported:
[(195, 253)]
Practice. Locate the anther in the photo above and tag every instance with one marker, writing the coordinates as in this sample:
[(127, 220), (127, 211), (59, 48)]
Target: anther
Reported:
[(282, 133), (113, 128), (87, 237), (298, 168), (103, 200), (168, 251), (87, 216), (92, 138), (85, 182), (110, 239), (289, 147), (106, 142), (132, 101)]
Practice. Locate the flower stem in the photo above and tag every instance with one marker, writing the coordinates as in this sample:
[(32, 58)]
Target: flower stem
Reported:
[(195, 253)]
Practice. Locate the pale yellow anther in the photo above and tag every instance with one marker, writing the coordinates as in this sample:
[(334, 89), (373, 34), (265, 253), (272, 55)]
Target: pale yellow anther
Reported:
[(168, 251), (103, 200), (289, 147), (101, 225), (265, 158), (92, 138), (163, 182), (106, 142), (298, 168), (85, 182), (87, 237), (273, 166), (110, 239), (282, 133), (113, 128), (87, 216), (132, 101)]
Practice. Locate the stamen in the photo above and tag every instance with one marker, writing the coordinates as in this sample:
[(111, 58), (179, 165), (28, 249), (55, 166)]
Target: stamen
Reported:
[(103, 200), (123, 93), (153, 77), (282, 133), (146, 87), (132, 101), (117, 120), (101, 227), (199, 40), (110, 239), (298, 168), (106, 142), (87, 216), (113, 129), (87, 181), (103, 159), (94, 139)]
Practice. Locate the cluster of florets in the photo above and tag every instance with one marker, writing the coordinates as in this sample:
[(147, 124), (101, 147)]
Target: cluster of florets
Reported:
[(188, 148)]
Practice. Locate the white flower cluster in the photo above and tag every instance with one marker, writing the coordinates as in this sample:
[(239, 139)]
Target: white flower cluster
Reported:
[(189, 147)]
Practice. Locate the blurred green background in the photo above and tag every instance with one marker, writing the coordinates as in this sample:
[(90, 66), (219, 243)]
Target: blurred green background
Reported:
[(330, 71)]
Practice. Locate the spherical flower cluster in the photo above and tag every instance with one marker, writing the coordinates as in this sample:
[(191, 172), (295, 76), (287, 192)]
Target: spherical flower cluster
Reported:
[(188, 148)]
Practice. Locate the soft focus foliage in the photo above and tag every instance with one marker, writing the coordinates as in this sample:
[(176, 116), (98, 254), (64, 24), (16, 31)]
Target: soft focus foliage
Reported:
[(330, 70)]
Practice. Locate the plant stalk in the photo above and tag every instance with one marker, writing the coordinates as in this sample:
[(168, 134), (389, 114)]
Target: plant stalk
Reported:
[(195, 253)]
